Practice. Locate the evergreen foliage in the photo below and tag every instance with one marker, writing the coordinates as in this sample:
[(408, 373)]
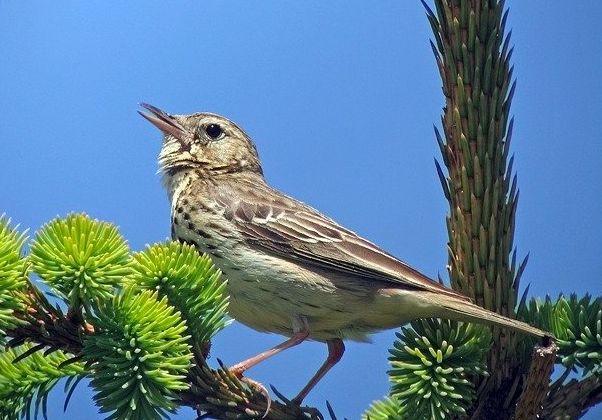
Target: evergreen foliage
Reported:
[(25, 384), (81, 259), (139, 325), (576, 324), (431, 364), (385, 409), (473, 53), (139, 355), (129, 323), (190, 282), (12, 275)]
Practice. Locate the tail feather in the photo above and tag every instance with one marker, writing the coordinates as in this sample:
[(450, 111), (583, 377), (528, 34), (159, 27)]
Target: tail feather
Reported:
[(465, 311)]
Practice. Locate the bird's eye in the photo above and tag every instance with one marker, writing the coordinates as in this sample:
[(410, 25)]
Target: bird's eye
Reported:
[(213, 131)]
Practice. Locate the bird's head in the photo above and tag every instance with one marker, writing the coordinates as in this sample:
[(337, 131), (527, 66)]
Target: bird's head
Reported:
[(206, 142)]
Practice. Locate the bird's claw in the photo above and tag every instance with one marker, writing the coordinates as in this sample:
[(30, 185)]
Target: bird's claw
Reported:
[(257, 386)]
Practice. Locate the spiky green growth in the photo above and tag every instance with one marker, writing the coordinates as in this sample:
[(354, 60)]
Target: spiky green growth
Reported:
[(24, 385), (473, 54), (83, 260), (430, 364), (385, 409), (576, 324), (190, 282), (12, 274), (139, 355)]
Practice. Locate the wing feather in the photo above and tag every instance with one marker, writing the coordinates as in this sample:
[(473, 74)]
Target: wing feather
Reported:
[(295, 231)]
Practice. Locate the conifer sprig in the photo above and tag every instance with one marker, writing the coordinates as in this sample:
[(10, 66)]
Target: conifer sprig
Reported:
[(13, 269), (25, 384), (431, 364), (385, 409), (190, 282), (138, 355), (82, 260), (577, 325)]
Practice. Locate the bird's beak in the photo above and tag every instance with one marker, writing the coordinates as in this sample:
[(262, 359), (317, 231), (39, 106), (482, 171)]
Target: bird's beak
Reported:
[(163, 121)]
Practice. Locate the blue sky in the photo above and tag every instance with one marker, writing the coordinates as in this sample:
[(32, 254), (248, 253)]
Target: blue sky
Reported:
[(340, 98)]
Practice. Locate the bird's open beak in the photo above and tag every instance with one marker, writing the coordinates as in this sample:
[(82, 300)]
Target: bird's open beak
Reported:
[(163, 121)]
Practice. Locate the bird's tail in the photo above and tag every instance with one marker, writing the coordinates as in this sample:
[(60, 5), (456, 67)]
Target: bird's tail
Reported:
[(461, 310)]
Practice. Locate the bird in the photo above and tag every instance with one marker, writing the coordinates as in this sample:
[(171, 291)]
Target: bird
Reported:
[(290, 269)]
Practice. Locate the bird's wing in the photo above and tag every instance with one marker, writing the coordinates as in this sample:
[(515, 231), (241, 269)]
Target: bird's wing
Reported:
[(286, 227)]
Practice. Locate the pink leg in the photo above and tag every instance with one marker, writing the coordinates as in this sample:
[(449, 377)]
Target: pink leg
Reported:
[(297, 338), (336, 348)]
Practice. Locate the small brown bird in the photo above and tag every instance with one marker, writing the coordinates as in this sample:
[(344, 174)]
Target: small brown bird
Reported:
[(290, 269)]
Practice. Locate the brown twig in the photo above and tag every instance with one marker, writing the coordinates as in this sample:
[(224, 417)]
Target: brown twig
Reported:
[(213, 393), (574, 399), (535, 389)]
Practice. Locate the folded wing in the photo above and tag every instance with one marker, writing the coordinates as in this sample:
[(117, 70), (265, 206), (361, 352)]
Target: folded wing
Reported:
[(293, 230)]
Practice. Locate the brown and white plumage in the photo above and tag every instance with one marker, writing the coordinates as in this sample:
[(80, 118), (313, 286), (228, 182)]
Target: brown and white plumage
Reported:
[(290, 269)]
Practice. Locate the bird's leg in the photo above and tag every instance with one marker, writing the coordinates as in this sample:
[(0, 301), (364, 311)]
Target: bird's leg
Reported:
[(336, 348), (297, 338)]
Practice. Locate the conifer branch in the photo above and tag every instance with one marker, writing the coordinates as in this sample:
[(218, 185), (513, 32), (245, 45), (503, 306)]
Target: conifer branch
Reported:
[(143, 346), (473, 51)]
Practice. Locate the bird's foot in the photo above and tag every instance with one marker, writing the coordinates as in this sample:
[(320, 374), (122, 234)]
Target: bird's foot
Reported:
[(237, 371), (258, 387)]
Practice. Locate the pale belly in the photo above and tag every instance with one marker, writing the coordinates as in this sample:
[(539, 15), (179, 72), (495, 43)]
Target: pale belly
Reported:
[(272, 294), (275, 295)]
